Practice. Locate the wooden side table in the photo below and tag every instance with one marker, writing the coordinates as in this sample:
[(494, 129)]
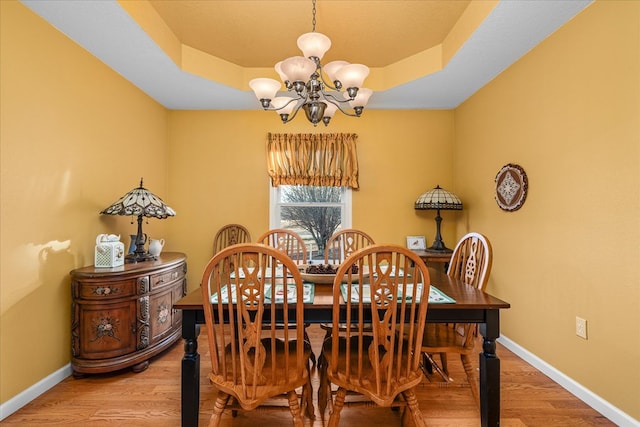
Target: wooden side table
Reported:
[(435, 257), (123, 316)]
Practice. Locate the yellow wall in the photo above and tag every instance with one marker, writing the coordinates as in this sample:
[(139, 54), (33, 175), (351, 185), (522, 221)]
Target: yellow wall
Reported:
[(75, 136), (569, 114), (218, 173)]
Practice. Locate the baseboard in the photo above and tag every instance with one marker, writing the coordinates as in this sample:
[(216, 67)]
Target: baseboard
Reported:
[(614, 414), (18, 401)]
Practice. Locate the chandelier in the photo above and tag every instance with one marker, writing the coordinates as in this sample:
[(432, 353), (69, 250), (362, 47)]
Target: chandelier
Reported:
[(304, 78)]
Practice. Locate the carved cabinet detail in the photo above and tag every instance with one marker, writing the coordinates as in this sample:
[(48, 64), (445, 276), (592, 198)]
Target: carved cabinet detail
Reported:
[(123, 316)]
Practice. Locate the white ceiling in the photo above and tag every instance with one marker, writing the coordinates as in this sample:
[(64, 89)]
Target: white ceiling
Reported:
[(106, 30)]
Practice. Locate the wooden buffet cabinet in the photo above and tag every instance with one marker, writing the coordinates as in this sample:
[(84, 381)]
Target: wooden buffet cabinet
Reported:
[(122, 316)]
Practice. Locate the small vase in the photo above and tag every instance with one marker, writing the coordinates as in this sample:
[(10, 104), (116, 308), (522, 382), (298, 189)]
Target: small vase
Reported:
[(132, 245), (155, 246)]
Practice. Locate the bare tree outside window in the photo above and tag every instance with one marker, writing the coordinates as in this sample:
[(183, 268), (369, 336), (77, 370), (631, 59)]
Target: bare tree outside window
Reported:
[(314, 209)]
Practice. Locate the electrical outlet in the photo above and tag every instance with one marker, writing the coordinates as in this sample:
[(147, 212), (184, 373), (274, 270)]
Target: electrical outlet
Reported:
[(581, 328)]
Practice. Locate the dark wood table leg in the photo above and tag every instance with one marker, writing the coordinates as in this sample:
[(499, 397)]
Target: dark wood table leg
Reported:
[(490, 371), (190, 370)]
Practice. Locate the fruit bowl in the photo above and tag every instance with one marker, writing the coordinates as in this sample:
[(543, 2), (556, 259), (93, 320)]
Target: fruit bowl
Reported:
[(321, 273), (322, 279)]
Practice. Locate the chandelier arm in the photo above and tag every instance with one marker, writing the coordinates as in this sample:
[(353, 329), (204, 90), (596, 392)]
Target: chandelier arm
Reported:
[(280, 108), (335, 100), (337, 103), (331, 86)]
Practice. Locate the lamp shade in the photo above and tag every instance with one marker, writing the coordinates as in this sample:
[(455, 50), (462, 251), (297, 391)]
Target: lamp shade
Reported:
[(438, 198), (314, 44), (362, 98), (330, 110), (265, 88), (298, 68), (352, 75), (331, 68), (283, 104), (140, 202), (278, 68)]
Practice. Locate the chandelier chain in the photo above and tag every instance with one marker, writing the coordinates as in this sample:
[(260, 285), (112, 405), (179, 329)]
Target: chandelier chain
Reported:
[(313, 20)]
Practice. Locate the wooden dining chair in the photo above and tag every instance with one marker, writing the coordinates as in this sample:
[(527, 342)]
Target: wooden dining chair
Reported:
[(230, 234), (286, 241), (340, 246), (470, 263), (252, 361), (343, 243), (290, 243), (382, 365)]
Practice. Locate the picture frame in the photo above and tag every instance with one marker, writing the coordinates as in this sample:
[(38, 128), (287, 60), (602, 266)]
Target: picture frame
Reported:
[(416, 243)]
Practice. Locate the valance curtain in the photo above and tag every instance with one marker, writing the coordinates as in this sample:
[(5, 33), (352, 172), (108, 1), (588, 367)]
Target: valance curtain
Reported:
[(326, 159)]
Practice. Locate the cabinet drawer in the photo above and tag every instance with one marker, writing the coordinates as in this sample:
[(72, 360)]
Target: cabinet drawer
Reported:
[(165, 278), (106, 290)]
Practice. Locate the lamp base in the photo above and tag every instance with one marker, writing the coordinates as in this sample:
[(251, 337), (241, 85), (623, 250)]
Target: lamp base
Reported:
[(438, 246), (139, 257)]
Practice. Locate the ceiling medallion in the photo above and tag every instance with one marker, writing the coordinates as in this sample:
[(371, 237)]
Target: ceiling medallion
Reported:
[(511, 187), (318, 90)]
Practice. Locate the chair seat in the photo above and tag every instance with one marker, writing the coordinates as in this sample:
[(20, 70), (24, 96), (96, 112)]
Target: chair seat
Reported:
[(362, 372), (267, 376), (306, 336), (443, 337)]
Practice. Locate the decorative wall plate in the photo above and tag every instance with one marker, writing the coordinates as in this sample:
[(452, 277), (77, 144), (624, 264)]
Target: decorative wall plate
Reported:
[(511, 187)]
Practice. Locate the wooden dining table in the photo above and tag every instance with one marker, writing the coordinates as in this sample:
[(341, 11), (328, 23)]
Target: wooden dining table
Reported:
[(471, 306)]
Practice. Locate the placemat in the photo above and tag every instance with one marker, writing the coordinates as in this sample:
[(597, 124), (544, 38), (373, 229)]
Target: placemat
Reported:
[(308, 289), (436, 296)]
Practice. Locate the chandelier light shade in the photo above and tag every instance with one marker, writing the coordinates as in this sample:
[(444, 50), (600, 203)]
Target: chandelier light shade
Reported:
[(314, 45), (264, 88), (437, 199), (319, 90), (140, 202)]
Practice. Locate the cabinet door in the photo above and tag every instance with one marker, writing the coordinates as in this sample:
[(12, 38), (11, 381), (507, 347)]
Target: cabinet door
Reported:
[(161, 314), (107, 330)]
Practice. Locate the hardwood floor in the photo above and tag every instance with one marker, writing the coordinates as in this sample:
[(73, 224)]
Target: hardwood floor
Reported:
[(152, 398)]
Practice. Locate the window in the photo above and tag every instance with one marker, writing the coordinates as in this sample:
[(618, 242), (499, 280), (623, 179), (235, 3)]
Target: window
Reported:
[(312, 176), (314, 212)]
